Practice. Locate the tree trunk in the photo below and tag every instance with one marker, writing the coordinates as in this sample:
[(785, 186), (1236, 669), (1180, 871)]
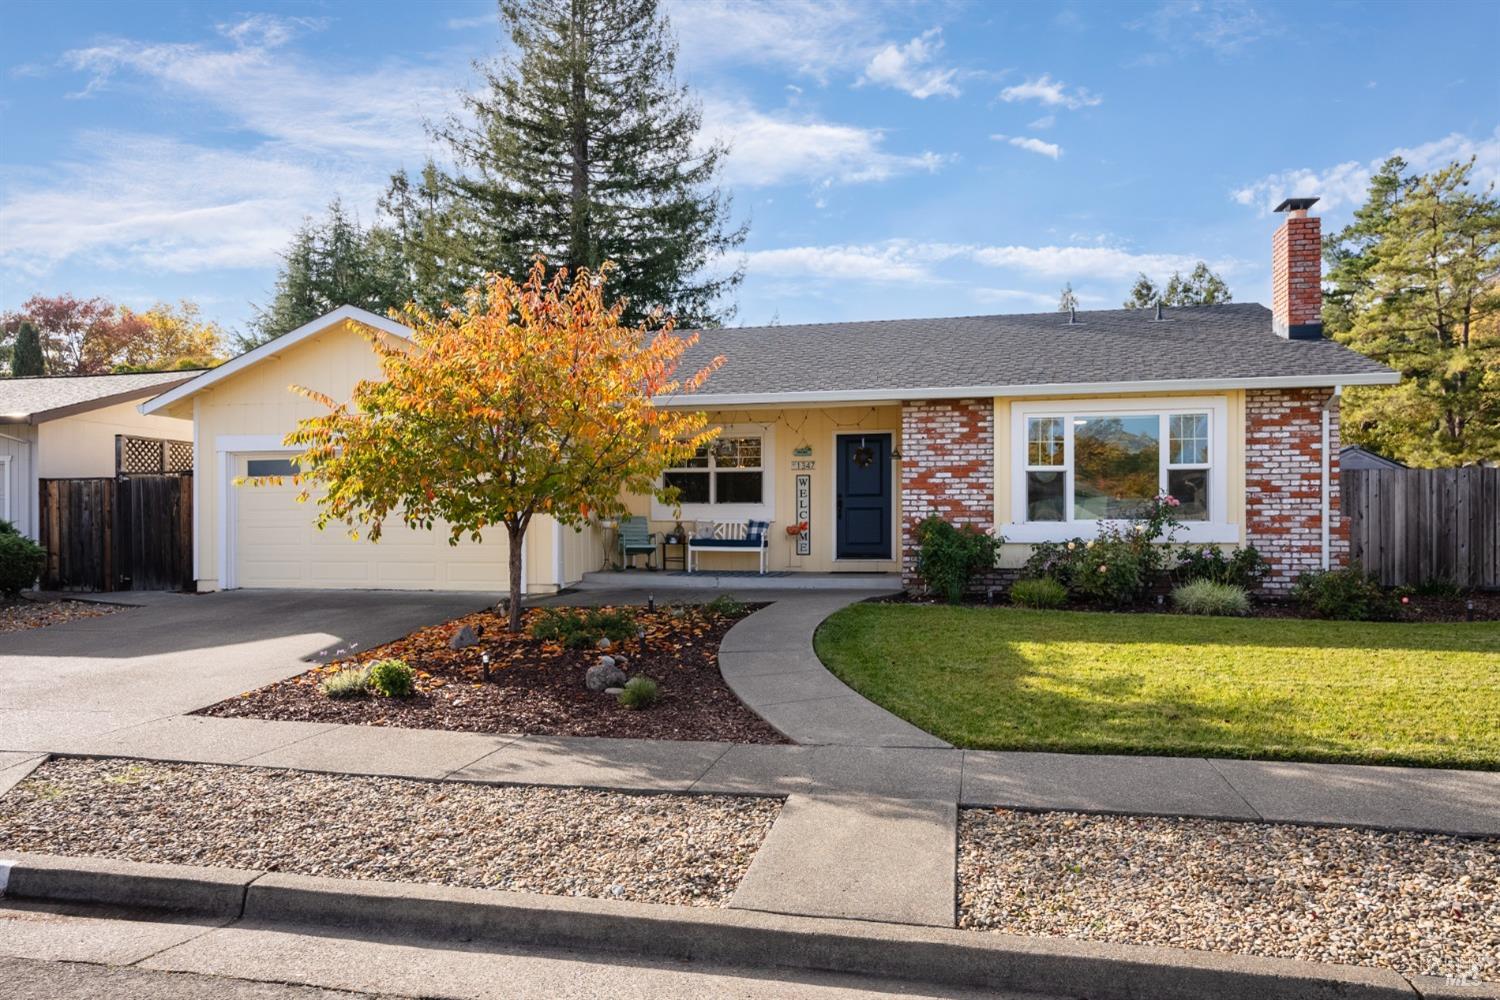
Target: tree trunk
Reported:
[(517, 536)]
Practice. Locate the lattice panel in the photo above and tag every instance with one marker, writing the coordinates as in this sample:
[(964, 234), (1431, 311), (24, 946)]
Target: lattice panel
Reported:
[(152, 456), (179, 456)]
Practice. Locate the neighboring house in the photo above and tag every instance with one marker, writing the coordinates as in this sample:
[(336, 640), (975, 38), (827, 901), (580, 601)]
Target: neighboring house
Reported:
[(63, 427), (1037, 426), (1352, 456)]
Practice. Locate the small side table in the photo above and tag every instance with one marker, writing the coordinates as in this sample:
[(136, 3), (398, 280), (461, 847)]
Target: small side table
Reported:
[(667, 545)]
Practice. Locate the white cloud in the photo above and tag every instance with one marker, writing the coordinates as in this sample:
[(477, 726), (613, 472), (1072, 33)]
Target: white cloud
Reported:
[(917, 261), (1050, 92), (1046, 121), (812, 39), (303, 133), (490, 20), (160, 204), (1347, 184), (1031, 145), (1015, 296), (772, 149), (1224, 27), (907, 67)]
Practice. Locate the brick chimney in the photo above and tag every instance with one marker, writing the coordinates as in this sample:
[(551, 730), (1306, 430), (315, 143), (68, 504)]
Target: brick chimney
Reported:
[(1297, 273)]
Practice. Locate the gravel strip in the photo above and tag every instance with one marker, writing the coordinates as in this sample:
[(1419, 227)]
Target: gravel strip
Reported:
[(26, 614), (565, 842), (1414, 903)]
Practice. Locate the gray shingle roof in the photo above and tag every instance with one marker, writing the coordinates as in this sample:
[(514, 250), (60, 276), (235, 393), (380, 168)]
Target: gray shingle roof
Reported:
[(30, 398), (1220, 343)]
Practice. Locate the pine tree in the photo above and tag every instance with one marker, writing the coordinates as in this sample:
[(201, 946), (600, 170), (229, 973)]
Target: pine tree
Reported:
[(26, 355), (329, 263), (583, 148), (1416, 285), (1201, 287)]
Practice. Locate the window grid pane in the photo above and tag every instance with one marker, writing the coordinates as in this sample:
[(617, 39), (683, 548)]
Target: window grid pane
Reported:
[(1044, 442), (1188, 439)]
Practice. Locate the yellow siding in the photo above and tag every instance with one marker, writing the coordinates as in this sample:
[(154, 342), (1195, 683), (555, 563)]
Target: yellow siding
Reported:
[(258, 402), (791, 428), (84, 444), (1015, 554)]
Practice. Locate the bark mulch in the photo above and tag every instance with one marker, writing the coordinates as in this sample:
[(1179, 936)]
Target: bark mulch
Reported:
[(26, 613), (534, 687)]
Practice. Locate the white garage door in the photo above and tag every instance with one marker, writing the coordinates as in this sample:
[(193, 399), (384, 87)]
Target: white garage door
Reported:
[(277, 545)]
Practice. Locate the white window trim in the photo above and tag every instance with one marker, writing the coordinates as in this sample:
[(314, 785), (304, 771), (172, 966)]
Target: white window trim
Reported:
[(5, 503), (1217, 529), (763, 511)]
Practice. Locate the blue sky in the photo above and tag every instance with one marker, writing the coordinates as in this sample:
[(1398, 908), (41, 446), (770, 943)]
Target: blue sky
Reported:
[(893, 160)]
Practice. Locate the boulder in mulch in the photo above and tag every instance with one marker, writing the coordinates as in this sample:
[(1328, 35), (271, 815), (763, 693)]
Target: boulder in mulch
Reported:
[(604, 675), (463, 638)]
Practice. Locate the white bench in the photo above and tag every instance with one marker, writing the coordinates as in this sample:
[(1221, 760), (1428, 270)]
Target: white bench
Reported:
[(746, 543)]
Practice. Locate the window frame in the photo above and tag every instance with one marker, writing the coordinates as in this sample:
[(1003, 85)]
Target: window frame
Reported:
[(763, 511), (1217, 528)]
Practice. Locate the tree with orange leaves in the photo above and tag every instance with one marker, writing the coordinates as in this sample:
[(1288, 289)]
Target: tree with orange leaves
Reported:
[(529, 399)]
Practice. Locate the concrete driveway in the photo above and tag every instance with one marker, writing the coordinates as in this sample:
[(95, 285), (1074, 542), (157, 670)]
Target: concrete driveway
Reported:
[(180, 652)]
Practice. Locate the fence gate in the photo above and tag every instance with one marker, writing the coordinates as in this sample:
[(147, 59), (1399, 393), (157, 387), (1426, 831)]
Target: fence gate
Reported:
[(130, 532)]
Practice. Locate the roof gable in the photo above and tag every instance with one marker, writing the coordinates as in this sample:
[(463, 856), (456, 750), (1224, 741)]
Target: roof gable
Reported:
[(272, 348)]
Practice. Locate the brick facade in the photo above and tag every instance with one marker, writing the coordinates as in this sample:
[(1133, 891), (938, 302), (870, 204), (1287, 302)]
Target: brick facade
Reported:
[(947, 468), (1283, 483), (1297, 278)]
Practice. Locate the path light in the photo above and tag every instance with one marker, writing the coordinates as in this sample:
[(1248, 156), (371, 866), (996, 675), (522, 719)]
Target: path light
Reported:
[(650, 603), (484, 660), (1469, 610), (1160, 600)]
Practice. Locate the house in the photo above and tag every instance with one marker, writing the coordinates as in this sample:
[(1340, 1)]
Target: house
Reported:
[(1038, 426), (64, 427), (1352, 456)]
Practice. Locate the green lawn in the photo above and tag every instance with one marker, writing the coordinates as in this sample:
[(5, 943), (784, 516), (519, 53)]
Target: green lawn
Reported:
[(1073, 681)]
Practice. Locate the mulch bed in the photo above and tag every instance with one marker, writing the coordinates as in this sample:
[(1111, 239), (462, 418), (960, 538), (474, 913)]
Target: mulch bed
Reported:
[(1414, 608), (26, 613), (534, 687)]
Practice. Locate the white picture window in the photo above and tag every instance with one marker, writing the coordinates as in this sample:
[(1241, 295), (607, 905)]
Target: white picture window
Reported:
[(1079, 464)]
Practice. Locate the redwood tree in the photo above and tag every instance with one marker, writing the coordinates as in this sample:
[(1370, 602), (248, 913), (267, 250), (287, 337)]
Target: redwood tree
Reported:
[(529, 399)]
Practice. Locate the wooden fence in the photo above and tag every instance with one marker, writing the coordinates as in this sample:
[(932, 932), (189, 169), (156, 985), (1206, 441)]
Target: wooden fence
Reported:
[(125, 533), (1411, 526)]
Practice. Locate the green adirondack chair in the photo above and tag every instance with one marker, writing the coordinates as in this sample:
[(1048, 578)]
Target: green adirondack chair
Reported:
[(635, 538)]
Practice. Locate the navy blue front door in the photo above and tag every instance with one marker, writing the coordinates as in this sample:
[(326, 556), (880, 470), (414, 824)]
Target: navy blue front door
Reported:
[(864, 496)]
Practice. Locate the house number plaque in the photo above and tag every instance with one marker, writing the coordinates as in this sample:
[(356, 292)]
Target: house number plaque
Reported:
[(804, 514)]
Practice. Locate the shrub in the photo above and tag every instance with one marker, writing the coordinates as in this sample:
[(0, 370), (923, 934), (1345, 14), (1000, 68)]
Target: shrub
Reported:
[(1243, 568), (1206, 597), (725, 606), (1436, 586), (949, 557), (1042, 592), (582, 629), (350, 683), (640, 692), (21, 561), (392, 678), (1349, 593), (1053, 560)]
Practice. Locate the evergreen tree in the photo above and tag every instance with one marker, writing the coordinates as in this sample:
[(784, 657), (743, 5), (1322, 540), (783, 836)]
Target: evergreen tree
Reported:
[(26, 354), (1416, 285), (1143, 294), (1201, 287), (582, 148), (329, 263), (1067, 301)]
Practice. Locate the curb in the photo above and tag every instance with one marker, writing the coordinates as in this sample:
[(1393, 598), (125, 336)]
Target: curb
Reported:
[(940, 956)]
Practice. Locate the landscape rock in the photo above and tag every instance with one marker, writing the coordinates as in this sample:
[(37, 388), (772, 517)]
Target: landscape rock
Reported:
[(604, 643), (604, 675), (616, 692), (463, 638)]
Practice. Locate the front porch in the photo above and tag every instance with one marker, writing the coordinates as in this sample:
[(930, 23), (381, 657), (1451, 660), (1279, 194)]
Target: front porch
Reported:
[(738, 580)]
